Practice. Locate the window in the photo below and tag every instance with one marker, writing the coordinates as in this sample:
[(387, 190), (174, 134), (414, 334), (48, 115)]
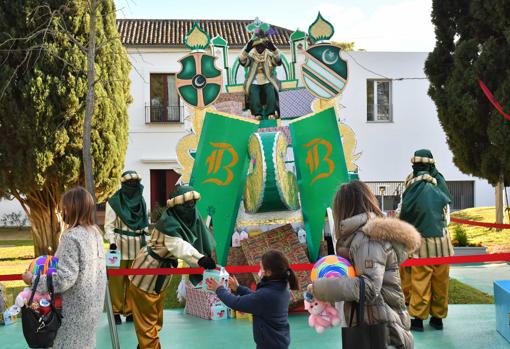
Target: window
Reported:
[(164, 100), (162, 183), (379, 101)]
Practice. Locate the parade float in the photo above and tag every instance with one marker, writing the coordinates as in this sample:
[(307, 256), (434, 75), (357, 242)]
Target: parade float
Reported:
[(266, 157)]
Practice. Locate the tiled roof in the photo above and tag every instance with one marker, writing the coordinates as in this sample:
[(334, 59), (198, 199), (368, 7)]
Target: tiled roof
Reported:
[(171, 32)]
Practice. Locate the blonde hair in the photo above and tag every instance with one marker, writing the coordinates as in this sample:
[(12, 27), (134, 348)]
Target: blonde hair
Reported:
[(352, 199), (78, 208)]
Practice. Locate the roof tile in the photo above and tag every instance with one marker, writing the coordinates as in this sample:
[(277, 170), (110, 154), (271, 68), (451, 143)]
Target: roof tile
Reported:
[(171, 32)]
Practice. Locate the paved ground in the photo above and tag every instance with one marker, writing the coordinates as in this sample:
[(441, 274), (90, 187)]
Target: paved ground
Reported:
[(468, 326)]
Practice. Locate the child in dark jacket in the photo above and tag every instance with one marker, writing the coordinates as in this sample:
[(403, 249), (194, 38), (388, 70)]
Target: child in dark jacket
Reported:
[(269, 304)]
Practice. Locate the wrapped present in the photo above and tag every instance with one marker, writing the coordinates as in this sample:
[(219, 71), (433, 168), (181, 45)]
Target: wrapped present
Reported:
[(254, 233), (219, 311), (113, 259), (219, 274), (236, 257), (239, 315), (200, 303), (285, 240)]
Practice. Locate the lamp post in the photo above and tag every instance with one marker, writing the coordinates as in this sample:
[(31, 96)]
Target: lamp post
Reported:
[(382, 189)]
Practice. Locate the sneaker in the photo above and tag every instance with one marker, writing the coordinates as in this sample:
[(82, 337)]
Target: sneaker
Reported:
[(417, 325), (117, 318), (437, 323), (129, 318)]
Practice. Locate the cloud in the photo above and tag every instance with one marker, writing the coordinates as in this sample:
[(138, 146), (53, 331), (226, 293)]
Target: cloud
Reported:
[(401, 26)]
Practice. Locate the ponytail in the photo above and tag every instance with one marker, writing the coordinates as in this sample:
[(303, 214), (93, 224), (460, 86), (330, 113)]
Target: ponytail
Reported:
[(276, 262), (293, 280)]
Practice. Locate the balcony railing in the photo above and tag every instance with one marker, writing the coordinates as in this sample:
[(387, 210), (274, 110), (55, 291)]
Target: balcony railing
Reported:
[(156, 114)]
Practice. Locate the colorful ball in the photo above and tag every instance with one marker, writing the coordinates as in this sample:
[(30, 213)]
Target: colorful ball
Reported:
[(332, 267), (43, 264)]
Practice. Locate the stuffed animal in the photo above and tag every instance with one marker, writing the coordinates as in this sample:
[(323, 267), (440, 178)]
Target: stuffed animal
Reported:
[(24, 296), (322, 314)]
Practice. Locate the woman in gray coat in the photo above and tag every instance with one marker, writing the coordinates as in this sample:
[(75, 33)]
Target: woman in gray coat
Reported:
[(81, 272), (376, 246)]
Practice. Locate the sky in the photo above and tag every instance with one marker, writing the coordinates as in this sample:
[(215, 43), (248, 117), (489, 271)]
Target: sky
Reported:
[(374, 25)]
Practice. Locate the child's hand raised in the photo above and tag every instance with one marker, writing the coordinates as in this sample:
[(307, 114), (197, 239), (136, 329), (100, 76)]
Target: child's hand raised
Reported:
[(212, 284), (233, 283)]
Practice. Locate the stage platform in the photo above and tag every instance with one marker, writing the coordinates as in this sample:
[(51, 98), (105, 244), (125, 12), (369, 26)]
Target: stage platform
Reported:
[(467, 326)]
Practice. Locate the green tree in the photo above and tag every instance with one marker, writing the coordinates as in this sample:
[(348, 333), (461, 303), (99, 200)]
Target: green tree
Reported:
[(43, 93), (472, 44)]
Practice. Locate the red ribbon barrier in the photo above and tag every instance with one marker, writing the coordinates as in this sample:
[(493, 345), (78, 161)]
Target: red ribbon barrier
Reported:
[(480, 224), (495, 257)]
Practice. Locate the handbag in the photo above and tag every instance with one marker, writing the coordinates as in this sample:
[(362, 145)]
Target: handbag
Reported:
[(40, 329), (363, 336)]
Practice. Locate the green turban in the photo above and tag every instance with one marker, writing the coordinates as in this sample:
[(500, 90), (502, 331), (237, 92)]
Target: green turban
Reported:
[(424, 161), (129, 204), (184, 222)]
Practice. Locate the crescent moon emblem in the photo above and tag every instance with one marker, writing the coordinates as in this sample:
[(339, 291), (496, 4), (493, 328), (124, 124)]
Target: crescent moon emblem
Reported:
[(325, 60)]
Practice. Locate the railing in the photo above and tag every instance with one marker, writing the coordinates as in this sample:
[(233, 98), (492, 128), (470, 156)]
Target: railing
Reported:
[(161, 114), (462, 193)]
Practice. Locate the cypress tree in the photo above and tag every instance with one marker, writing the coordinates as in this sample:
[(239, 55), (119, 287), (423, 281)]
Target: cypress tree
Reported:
[(43, 87), (472, 44)]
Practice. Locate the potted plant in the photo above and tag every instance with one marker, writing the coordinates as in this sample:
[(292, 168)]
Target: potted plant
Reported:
[(462, 246)]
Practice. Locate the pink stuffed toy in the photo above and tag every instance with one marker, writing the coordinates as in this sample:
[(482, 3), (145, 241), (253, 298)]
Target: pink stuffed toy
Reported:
[(24, 296), (322, 315)]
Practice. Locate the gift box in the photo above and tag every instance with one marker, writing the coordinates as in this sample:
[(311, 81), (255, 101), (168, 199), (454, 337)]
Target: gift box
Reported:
[(113, 259), (219, 311), (218, 274), (284, 239), (204, 304), (236, 257), (242, 316)]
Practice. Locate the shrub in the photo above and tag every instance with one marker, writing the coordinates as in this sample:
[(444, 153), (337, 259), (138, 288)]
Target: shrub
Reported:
[(460, 237)]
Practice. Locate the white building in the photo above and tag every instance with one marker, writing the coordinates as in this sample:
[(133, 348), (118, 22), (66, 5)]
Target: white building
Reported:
[(401, 119)]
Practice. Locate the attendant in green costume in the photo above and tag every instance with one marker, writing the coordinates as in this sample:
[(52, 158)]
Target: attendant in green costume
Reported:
[(179, 234), (425, 204), (261, 86), (126, 228)]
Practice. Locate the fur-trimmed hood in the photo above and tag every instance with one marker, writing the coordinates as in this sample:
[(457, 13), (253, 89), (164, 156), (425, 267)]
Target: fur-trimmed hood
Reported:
[(402, 235), (393, 230)]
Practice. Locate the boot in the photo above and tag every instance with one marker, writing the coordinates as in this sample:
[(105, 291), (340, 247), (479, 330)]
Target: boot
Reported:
[(129, 318), (417, 325), (117, 318), (437, 323)]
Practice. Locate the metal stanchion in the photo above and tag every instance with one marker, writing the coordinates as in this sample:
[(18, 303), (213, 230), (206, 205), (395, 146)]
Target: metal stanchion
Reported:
[(111, 320), (331, 223)]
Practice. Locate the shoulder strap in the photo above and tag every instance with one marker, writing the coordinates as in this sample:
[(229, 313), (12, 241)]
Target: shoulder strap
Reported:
[(360, 305), (34, 289), (49, 285), (51, 291)]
